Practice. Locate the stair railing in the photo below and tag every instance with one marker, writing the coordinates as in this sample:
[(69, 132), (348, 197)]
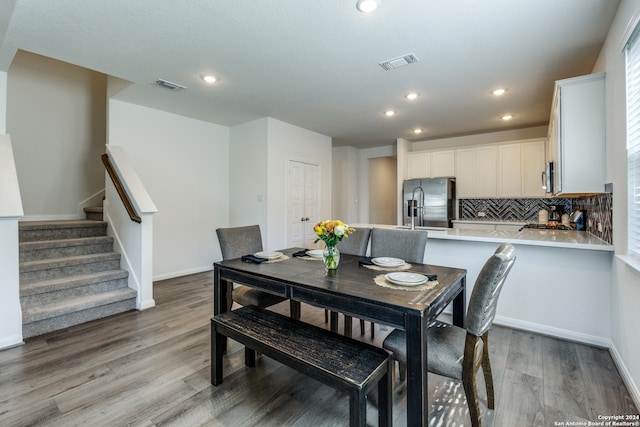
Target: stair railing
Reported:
[(120, 189)]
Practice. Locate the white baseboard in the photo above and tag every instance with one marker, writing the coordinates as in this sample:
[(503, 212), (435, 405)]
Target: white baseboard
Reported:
[(554, 332), (11, 341), (634, 391), (147, 304), (183, 273)]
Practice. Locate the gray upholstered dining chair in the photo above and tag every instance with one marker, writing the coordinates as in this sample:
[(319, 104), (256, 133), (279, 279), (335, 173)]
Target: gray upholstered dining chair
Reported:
[(458, 353), (354, 244), (236, 242), (408, 245)]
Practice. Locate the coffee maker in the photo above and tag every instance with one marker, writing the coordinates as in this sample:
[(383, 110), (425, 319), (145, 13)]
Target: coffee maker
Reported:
[(555, 215)]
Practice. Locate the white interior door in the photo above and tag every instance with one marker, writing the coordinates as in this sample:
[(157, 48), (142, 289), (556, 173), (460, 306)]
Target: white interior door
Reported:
[(303, 192)]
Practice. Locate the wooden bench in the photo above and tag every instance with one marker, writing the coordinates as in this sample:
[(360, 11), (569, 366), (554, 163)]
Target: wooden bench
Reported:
[(345, 364)]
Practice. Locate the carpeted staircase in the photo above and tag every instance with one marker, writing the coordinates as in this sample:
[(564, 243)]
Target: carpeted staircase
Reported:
[(69, 274)]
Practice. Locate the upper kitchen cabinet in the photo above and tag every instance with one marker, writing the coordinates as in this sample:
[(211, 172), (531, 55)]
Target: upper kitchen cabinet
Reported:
[(476, 172), (519, 169), (431, 164), (577, 135)]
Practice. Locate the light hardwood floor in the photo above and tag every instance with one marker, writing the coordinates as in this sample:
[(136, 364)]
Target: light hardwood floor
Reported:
[(151, 368)]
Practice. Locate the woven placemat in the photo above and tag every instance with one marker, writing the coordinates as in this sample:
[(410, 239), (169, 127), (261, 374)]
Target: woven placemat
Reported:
[(279, 259), (309, 258), (380, 280), (405, 266)]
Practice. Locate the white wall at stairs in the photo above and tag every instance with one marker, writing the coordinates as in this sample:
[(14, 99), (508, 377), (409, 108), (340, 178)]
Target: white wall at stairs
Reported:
[(184, 165), (56, 115)]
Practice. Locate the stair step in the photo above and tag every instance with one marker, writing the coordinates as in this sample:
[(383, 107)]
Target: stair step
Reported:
[(69, 274), (33, 271), (53, 230), (51, 249), (94, 213), (62, 314), (47, 291)]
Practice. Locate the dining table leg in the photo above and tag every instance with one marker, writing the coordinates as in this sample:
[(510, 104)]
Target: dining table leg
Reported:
[(417, 388), (459, 306)]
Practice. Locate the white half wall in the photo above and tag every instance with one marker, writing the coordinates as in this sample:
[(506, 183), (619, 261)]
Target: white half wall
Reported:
[(183, 163), (56, 115)]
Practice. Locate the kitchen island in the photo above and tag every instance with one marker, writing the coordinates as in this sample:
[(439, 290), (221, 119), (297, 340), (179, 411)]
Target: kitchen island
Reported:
[(559, 284)]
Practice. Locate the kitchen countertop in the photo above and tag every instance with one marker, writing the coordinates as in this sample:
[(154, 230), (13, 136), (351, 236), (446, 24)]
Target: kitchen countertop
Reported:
[(532, 237)]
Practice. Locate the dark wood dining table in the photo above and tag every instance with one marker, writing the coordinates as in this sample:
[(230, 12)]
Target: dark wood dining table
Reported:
[(351, 289)]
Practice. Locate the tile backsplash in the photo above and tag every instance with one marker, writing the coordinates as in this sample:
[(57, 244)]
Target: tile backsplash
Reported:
[(597, 208)]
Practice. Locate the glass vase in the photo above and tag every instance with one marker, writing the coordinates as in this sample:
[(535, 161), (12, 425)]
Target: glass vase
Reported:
[(331, 257)]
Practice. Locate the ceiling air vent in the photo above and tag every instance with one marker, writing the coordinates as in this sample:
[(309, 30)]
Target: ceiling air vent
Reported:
[(168, 85), (392, 64)]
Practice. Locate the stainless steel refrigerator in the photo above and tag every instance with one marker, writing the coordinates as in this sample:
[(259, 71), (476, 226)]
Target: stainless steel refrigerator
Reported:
[(430, 201)]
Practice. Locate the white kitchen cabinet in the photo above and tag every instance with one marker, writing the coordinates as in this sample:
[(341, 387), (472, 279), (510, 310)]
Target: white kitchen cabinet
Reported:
[(431, 164), (578, 135), (533, 162), (443, 163), (509, 170), (520, 168), (475, 172), (485, 173), (419, 165), (465, 173)]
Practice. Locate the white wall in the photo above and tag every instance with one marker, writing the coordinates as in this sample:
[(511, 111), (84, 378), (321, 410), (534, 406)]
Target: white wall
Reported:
[(383, 194), (625, 290), (184, 165), (3, 102), (482, 138), (56, 115), (288, 142), (248, 168), (345, 184), (363, 179)]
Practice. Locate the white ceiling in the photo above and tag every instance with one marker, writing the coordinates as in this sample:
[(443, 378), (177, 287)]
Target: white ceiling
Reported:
[(314, 64)]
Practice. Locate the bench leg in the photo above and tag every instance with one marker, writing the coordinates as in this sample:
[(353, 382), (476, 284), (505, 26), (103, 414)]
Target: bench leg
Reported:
[(385, 399), (218, 348), (348, 326), (249, 357), (357, 408)]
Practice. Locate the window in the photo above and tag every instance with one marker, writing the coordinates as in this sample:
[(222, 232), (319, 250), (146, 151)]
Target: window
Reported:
[(632, 54)]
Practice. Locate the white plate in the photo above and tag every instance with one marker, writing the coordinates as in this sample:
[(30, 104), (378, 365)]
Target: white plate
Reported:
[(406, 279), (315, 253), (268, 255), (387, 262)]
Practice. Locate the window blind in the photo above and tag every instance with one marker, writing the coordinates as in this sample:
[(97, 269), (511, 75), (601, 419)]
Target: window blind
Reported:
[(633, 140)]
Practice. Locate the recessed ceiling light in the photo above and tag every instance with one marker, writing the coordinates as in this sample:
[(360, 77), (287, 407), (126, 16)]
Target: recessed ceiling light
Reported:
[(367, 6), (209, 78), (389, 113), (417, 130), (498, 92), (507, 117), (411, 96)]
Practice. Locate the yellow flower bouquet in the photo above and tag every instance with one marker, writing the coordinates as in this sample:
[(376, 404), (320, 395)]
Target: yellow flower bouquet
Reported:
[(331, 232)]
